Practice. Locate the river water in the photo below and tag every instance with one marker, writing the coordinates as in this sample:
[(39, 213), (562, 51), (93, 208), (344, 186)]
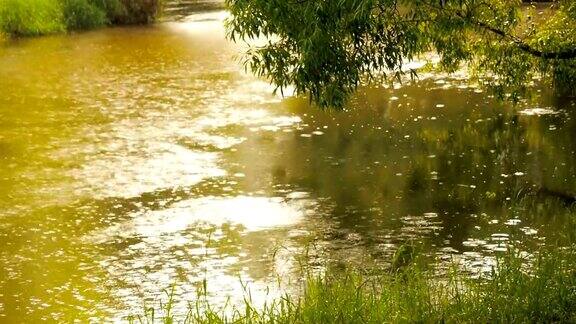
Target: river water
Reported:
[(134, 159)]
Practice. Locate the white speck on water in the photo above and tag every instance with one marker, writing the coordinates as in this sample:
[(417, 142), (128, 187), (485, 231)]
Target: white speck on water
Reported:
[(538, 111), (529, 231), (297, 195)]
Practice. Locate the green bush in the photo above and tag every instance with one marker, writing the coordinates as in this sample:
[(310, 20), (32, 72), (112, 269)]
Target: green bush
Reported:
[(83, 14), (38, 17), (31, 17), (113, 8), (136, 12), (92, 13)]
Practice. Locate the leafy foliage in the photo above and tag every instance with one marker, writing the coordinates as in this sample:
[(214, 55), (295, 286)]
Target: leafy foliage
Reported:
[(328, 48), (86, 14), (83, 14), (135, 11)]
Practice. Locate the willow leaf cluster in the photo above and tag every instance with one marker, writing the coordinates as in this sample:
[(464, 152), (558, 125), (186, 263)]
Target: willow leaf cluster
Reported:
[(327, 48)]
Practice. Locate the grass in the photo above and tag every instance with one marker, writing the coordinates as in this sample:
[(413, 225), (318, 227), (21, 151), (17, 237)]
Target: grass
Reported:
[(41, 17), (544, 291), (30, 17)]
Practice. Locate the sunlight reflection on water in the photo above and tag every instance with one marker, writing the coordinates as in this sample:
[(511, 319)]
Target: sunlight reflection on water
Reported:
[(251, 213), (206, 238)]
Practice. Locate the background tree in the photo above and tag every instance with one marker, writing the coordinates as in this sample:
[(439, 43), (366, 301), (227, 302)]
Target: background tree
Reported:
[(327, 48)]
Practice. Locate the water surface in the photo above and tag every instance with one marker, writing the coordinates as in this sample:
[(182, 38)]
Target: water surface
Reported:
[(135, 158)]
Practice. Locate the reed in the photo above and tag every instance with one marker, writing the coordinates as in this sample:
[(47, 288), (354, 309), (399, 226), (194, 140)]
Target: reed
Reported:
[(536, 288)]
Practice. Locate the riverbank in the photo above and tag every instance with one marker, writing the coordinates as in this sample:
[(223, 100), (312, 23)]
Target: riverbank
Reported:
[(41, 17), (545, 291), (513, 286)]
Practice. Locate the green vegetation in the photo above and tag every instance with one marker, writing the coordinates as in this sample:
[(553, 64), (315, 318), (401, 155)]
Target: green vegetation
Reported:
[(39, 17), (515, 287), (542, 292), (31, 17), (81, 14), (327, 49)]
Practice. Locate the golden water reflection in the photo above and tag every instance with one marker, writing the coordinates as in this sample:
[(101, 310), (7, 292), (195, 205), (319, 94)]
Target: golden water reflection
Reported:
[(218, 239)]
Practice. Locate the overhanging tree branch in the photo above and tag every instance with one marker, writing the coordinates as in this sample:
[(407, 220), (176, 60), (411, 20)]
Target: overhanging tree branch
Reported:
[(568, 54), (522, 45)]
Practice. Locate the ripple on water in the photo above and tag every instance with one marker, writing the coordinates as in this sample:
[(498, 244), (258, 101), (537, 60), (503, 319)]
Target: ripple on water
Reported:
[(252, 213), (209, 237), (130, 175)]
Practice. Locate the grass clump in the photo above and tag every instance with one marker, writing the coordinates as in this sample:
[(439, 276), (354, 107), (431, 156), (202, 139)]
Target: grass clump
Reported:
[(540, 288), (31, 17)]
